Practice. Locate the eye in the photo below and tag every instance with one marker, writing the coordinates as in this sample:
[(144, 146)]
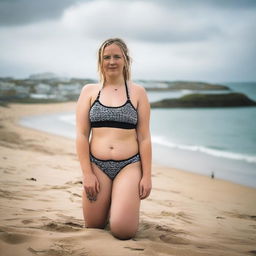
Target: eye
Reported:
[(106, 57), (117, 56)]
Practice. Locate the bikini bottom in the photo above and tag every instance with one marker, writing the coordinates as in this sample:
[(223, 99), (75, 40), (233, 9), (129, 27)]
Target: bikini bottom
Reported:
[(113, 167)]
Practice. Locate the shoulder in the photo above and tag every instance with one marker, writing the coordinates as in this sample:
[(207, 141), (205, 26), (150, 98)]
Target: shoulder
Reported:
[(138, 89), (89, 90)]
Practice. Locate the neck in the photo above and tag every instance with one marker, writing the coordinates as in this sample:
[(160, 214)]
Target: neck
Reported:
[(114, 81)]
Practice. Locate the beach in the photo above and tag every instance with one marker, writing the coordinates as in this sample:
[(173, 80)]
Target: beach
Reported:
[(41, 209)]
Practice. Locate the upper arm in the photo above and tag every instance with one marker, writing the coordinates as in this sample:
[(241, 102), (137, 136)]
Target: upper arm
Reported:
[(143, 129), (82, 111)]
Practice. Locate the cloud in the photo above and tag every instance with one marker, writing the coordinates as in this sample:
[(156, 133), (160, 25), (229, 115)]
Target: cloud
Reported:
[(20, 12), (220, 4), (139, 20), (168, 39)]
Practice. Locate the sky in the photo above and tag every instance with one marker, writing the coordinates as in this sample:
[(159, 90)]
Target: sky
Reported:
[(195, 40)]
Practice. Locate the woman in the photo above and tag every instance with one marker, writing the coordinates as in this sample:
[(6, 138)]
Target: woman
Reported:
[(113, 144)]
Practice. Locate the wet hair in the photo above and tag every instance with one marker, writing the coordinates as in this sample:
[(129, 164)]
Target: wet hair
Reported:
[(125, 51)]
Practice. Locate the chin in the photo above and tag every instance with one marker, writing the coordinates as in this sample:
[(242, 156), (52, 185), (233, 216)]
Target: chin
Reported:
[(114, 73)]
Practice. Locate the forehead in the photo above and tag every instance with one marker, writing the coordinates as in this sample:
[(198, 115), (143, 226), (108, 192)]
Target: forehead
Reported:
[(112, 49)]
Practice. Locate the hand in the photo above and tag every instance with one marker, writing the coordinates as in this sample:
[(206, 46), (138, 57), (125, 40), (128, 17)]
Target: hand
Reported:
[(91, 186), (145, 187)]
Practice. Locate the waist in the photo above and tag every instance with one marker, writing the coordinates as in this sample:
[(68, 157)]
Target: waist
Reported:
[(118, 144)]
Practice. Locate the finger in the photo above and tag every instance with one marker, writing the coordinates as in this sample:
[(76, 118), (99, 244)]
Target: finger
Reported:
[(95, 191), (142, 196), (87, 194), (146, 193), (141, 190), (90, 195), (92, 192), (97, 187)]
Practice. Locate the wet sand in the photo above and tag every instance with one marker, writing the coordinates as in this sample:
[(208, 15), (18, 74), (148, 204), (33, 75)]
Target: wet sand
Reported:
[(41, 213)]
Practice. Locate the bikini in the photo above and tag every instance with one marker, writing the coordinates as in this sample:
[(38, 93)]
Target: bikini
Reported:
[(123, 117)]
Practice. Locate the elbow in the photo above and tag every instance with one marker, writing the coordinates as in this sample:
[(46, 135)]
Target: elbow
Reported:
[(82, 134), (81, 138)]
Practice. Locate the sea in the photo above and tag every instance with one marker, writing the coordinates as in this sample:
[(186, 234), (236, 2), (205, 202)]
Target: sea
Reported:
[(208, 141)]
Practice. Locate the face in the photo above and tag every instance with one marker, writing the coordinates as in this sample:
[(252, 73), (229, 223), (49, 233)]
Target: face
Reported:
[(113, 60)]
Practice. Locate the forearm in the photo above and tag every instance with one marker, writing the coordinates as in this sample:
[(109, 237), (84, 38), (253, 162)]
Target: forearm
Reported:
[(82, 148), (146, 156)]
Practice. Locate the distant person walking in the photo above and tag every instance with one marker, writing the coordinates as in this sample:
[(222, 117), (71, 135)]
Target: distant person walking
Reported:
[(114, 144)]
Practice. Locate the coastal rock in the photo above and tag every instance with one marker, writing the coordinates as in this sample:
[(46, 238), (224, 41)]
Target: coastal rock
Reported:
[(206, 100), (185, 85)]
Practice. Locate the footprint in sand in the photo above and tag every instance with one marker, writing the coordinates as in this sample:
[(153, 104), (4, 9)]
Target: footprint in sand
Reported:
[(74, 197), (134, 249), (62, 227), (180, 216), (153, 231), (9, 194), (12, 238), (174, 240), (27, 221), (51, 252), (77, 182), (241, 216), (170, 230)]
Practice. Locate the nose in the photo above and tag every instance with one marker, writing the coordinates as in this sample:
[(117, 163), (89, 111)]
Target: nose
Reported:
[(112, 60)]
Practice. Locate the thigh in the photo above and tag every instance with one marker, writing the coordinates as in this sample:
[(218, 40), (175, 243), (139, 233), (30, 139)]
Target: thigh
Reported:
[(96, 212), (124, 212)]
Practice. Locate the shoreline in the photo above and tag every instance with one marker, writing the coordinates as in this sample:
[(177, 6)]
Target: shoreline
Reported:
[(41, 213), (198, 161)]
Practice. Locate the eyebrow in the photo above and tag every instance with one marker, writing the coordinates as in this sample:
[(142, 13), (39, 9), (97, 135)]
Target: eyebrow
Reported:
[(115, 55)]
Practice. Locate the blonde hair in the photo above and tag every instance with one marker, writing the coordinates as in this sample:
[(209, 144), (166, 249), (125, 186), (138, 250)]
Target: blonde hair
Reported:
[(127, 58)]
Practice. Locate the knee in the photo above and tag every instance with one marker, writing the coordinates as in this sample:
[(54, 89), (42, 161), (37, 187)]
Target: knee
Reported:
[(123, 230)]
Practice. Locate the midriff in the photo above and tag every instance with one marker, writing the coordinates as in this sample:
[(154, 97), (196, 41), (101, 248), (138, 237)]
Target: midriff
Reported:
[(113, 143)]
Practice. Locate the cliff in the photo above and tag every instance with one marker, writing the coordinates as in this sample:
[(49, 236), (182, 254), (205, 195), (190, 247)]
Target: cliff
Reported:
[(185, 85), (206, 100)]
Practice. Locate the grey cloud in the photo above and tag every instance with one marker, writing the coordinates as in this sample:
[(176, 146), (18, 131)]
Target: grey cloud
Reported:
[(19, 12), (171, 34), (228, 4), (192, 39), (163, 35), (151, 23)]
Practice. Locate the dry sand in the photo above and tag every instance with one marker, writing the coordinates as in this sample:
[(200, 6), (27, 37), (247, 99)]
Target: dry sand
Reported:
[(41, 214)]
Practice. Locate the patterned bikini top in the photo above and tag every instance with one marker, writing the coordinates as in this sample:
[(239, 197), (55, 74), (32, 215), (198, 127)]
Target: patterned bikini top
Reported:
[(124, 116)]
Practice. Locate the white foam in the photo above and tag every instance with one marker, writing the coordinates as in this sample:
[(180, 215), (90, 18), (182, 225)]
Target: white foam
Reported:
[(196, 148), (70, 119)]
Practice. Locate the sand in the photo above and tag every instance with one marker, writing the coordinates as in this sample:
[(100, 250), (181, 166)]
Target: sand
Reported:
[(41, 213)]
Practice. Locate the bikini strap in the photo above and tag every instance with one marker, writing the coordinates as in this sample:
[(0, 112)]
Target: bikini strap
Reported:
[(98, 95), (127, 93)]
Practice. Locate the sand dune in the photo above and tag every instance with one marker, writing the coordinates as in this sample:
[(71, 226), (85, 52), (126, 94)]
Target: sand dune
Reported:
[(41, 214)]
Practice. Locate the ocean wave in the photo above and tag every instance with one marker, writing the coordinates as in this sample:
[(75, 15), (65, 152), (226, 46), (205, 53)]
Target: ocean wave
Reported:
[(196, 148), (70, 119)]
